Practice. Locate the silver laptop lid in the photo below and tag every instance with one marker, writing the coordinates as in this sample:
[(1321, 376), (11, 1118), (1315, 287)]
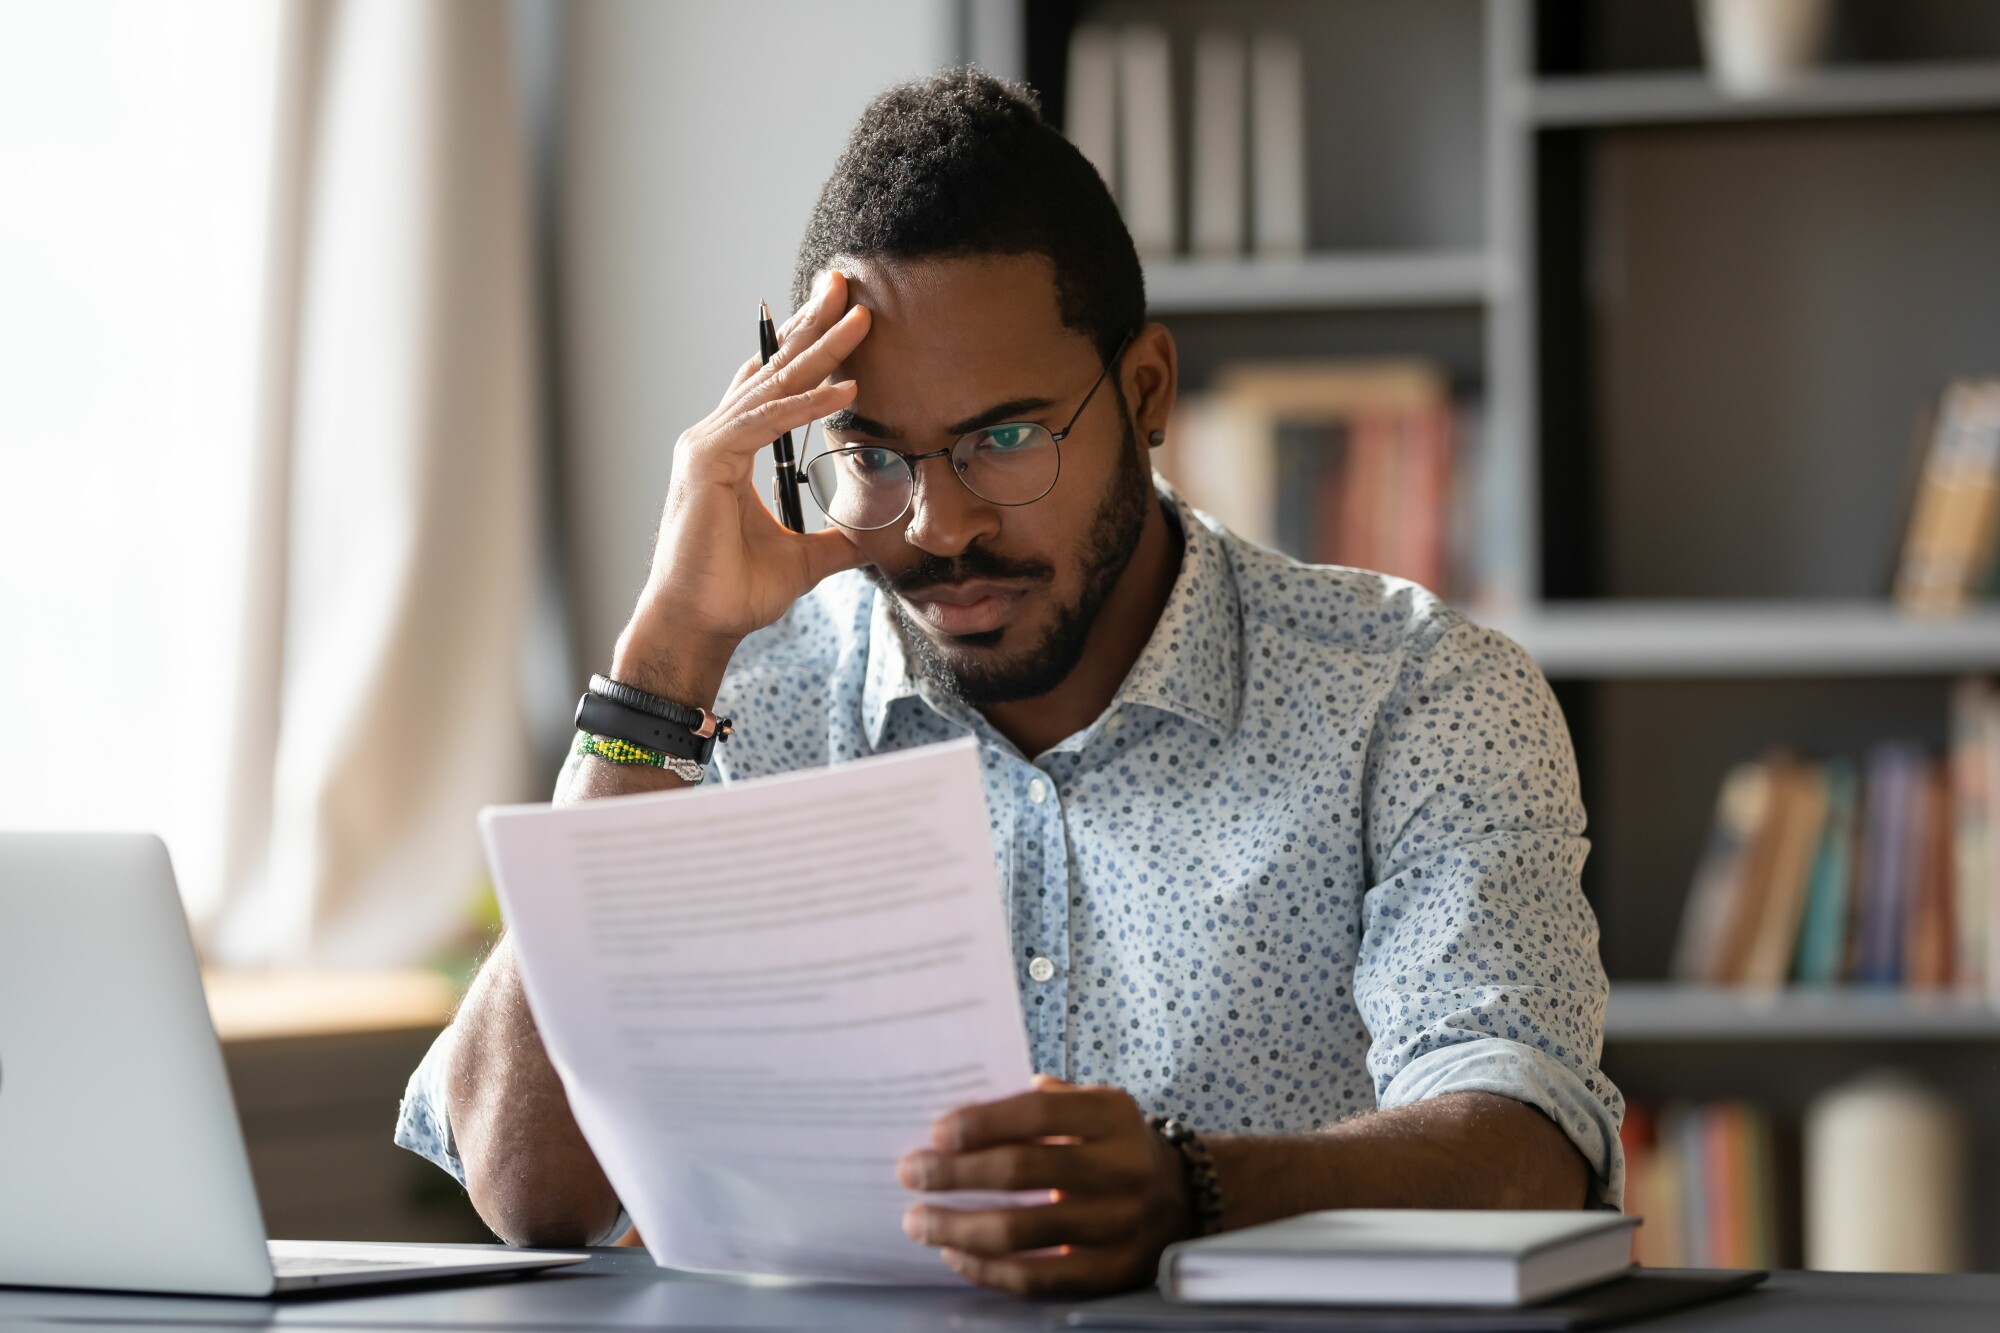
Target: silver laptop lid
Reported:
[(121, 1159)]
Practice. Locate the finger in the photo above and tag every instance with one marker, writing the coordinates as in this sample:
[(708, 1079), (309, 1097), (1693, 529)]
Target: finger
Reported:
[(1084, 1168), (756, 423), (828, 552), (815, 300), (812, 321), (1069, 1112), (996, 1231), (743, 372), (803, 369), (1075, 1272)]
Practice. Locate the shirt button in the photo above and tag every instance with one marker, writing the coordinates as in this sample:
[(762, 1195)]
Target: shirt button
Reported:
[(1041, 969), (1038, 791)]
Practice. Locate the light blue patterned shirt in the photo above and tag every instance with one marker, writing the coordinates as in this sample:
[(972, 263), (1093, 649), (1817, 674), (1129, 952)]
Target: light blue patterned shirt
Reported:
[(1320, 855)]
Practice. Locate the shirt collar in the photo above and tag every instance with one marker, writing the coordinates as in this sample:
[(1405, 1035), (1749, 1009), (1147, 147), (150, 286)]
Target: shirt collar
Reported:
[(1192, 665)]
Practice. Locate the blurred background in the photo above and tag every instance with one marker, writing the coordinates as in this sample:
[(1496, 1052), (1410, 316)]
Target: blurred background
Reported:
[(344, 343)]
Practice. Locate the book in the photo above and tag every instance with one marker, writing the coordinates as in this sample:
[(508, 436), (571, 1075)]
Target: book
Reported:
[(1218, 168), (1147, 194), (1760, 866), (1711, 902), (1277, 145), (1090, 107), (1927, 942), (1954, 525), (1767, 964), (1402, 1257), (1880, 899), (1971, 801), (1823, 928)]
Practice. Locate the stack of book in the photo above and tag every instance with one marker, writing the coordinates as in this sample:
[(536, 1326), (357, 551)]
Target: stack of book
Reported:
[(1369, 464), (1881, 872), (1952, 538), (1715, 1183), (1246, 154)]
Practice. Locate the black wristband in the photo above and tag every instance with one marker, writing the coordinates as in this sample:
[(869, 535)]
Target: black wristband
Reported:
[(600, 716), (632, 697)]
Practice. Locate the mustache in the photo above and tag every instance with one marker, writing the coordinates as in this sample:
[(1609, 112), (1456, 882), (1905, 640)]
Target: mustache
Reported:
[(975, 562)]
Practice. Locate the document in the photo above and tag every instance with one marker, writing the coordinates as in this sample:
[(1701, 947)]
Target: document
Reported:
[(760, 996)]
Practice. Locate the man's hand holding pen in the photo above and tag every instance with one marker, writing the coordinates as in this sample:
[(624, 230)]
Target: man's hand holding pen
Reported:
[(724, 565)]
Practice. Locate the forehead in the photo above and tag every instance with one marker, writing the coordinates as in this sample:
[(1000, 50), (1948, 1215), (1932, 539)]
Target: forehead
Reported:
[(949, 337)]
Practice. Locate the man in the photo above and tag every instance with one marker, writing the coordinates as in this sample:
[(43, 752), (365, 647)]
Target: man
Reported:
[(1291, 853)]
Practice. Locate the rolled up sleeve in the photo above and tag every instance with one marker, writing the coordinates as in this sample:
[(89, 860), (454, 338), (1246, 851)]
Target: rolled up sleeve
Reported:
[(1478, 968), (421, 1124)]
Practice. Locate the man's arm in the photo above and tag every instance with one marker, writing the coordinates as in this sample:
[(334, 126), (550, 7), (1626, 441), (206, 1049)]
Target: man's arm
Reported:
[(723, 568), (1461, 1150)]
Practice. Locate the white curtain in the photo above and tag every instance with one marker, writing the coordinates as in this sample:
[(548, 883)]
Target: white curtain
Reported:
[(394, 541)]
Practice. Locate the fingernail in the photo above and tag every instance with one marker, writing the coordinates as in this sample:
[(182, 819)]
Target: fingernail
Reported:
[(915, 1170), (821, 283), (913, 1225)]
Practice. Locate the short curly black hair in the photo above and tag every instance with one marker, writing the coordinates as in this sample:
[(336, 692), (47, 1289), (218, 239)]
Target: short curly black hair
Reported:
[(962, 164)]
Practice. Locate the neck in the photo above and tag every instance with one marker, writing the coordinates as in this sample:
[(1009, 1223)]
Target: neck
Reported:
[(1120, 633)]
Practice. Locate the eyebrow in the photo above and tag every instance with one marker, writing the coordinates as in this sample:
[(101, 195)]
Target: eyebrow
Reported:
[(847, 421)]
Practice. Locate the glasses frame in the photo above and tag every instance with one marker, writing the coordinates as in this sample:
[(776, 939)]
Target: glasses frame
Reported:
[(910, 461)]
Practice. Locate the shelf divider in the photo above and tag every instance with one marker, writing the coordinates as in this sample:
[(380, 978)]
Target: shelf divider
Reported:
[(1359, 280), (1668, 639), (1665, 1012), (1640, 99)]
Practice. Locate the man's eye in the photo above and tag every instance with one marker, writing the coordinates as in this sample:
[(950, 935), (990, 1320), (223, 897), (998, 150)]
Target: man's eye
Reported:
[(1008, 439), (872, 460)]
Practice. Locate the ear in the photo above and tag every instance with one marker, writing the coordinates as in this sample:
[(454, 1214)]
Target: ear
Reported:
[(1150, 379)]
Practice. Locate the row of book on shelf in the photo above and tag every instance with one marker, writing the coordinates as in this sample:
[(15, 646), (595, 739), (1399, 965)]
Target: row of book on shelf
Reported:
[(1246, 155), (1884, 871), (1368, 463), (1871, 1176)]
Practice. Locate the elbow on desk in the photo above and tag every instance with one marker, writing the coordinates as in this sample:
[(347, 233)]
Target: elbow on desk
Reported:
[(541, 1209)]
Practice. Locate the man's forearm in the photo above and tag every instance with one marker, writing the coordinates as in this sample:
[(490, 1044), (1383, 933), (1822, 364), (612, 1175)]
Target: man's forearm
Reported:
[(1465, 1150), (527, 1168)]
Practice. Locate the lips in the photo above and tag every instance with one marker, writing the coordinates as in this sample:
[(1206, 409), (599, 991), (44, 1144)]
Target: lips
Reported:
[(965, 608)]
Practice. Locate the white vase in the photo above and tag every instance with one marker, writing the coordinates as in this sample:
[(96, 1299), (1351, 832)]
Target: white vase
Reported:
[(1759, 47)]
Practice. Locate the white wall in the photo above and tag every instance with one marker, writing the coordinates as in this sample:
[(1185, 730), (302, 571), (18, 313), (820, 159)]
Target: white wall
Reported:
[(695, 137)]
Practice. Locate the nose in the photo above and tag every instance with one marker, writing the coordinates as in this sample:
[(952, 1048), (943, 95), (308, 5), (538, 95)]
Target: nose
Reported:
[(945, 516)]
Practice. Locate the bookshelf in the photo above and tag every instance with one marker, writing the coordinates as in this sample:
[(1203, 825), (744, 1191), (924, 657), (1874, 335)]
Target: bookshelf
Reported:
[(1702, 329)]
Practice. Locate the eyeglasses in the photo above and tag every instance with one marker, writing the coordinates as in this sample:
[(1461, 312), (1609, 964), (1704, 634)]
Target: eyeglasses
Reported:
[(870, 486)]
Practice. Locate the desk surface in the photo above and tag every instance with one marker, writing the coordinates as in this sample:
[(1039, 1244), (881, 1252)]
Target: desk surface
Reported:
[(621, 1289)]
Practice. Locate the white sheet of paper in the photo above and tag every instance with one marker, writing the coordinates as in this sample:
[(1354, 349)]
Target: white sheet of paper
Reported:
[(759, 996)]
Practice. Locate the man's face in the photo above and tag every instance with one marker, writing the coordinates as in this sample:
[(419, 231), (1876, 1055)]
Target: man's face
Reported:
[(994, 600)]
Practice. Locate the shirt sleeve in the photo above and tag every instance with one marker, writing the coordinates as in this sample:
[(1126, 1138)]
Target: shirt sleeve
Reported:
[(1478, 969)]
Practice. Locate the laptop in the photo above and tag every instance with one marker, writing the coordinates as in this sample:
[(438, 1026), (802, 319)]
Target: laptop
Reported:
[(122, 1164)]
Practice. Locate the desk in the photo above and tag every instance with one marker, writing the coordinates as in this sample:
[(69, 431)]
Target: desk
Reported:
[(621, 1289)]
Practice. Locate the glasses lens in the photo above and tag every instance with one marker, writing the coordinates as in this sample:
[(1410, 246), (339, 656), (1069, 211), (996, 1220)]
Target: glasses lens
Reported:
[(863, 488), (1011, 464)]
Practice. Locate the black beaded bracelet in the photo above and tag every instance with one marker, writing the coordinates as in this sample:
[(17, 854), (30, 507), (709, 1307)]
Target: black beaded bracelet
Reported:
[(1204, 1189)]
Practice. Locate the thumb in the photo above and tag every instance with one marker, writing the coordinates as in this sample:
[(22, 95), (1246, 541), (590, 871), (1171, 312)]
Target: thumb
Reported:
[(828, 552)]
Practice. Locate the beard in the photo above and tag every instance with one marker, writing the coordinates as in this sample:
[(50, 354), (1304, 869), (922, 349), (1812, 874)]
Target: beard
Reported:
[(972, 671)]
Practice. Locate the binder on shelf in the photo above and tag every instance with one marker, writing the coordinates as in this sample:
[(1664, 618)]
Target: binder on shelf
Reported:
[(1090, 108), (1218, 166), (1277, 145), (1146, 190)]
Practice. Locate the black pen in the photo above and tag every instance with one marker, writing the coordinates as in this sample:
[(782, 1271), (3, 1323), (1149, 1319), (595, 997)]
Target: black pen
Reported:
[(790, 512)]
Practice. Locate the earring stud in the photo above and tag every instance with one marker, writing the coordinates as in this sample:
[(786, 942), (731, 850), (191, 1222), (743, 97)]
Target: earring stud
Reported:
[(1156, 438)]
